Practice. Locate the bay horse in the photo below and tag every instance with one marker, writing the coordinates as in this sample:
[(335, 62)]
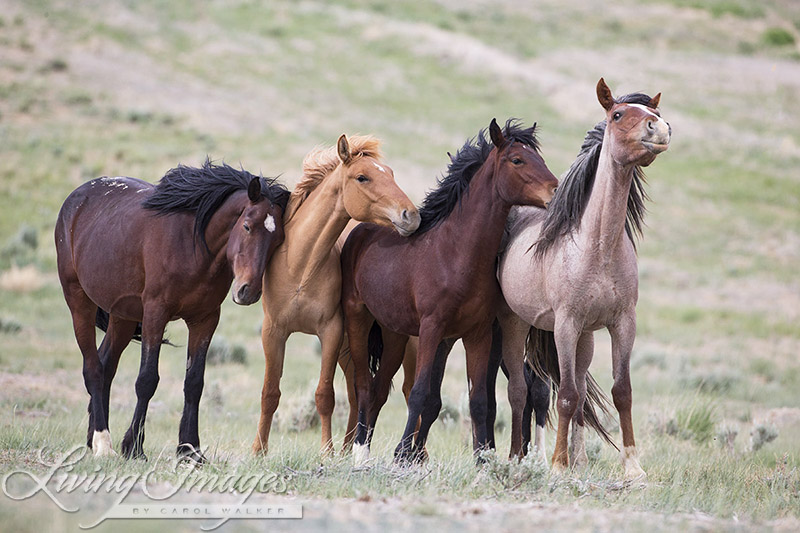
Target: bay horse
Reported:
[(149, 254), (302, 284), (440, 282), (572, 269)]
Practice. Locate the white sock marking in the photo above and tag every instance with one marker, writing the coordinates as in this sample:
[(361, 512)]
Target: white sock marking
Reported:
[(360, 454), (101, 444)]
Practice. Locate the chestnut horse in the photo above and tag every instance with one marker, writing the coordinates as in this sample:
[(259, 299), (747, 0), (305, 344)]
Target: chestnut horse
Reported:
[(151, 254), (440, 282), (582, 273), (302, 284)]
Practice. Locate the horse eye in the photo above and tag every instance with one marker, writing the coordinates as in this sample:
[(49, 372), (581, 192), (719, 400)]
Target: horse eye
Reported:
[(617, 115), (517, 161), (362, 178), (246, 227)]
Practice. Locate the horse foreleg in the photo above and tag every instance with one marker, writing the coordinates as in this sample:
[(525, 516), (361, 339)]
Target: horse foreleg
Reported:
[(146, 383), (330, 337), (495, 362), (430, 335), (346, 365), (583, 358), (478, 345), (514, 334), (200, 333), (274, 344), (566, 336), (622, 337)]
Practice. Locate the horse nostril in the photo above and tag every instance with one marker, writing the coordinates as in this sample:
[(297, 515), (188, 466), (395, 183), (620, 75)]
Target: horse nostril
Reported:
[(650, 125), (242, 291), (404, 215)]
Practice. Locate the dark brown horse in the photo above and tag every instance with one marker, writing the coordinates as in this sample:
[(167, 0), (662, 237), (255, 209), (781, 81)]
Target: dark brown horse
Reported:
[(440, 282), (147, 255)]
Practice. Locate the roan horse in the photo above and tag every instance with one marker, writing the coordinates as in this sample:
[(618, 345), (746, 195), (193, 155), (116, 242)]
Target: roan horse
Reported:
[(151, 254), (572, 270), (302, 285), (440, 282)]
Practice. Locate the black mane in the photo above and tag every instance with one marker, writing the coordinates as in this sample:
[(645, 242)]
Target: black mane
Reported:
[(441, 201), (203, 190), (566, 209)]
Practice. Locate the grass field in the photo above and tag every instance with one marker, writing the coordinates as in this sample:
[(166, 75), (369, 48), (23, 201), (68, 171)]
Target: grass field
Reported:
[(134, 88)]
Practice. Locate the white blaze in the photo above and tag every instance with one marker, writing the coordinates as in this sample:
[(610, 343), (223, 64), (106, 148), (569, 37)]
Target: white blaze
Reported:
[(269, 223), (379, 167)]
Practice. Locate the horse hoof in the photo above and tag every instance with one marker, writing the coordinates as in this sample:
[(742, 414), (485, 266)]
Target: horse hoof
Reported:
[(101, 444), (630, 462), (420, 456), (191, 455), (360, 454), (559, 469)]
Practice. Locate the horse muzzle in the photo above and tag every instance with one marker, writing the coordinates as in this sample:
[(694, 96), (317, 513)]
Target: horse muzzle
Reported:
[(406, 221), (245, 294)]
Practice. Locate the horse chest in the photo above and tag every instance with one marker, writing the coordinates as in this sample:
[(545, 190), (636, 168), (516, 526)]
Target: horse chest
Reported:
[(596, 298)]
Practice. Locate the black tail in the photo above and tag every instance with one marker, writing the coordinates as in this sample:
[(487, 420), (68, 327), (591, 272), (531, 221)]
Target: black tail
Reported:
[(101, 321), (375, 347), (542, 356)]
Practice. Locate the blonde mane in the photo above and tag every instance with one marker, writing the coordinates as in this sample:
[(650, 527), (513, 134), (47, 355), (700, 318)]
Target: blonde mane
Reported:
[(321, 162)]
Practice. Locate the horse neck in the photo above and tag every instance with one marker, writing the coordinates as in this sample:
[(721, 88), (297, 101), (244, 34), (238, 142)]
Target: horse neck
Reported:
[(219, 229), (313, 230), (602, 228), (477, 224)]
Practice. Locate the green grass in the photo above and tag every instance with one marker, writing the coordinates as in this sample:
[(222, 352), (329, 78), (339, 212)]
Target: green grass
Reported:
[(262, 85)]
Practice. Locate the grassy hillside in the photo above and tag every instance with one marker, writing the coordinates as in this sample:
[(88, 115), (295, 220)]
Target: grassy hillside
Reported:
[(134, 88)]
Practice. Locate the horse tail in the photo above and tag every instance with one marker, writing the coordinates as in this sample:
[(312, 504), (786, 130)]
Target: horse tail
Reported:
[(542, 356), (375, 347), (101, 321)]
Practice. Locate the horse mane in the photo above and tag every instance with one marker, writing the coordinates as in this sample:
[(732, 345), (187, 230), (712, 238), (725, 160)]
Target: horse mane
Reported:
[(450, 189), (574, 189), (322, 161), (203, 190)]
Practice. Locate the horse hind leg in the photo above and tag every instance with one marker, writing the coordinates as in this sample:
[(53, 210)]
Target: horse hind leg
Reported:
[(146, 383), (539, 403), (514, 334), (83, 312), (394, 350), (434, 403), (118, 335)]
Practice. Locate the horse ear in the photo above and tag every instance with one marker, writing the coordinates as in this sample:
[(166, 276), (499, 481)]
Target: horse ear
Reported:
[(254, 190), (343, 147), (604, 95), (496, 134), (654, 101)]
